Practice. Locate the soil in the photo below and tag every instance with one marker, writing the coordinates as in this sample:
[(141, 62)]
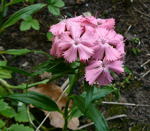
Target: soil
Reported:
[(132, 20)]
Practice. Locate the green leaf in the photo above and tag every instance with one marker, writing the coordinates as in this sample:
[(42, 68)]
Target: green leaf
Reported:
[(36, 99), (29, 10), (3, 63), (26, 86), (17, 127), (49, 36), (25, 25), (3, 91), (54, 10), (35, 24), (100, 92), (27, 17), (5, 74), (2, 123), (6, 110), (16, 70), (22, 115), (59, 3), (75, 112), (3, 105), (92, 113), (9, 112), (16, 51), (55, 66)]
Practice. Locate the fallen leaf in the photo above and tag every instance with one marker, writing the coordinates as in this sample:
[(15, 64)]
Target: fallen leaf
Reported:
[(53, 91), (56, 118)]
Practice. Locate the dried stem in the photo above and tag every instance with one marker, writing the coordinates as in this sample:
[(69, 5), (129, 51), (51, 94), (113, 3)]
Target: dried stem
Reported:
[(125, 104)]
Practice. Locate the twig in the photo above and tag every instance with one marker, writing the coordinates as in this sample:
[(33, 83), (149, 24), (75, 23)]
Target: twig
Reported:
[(146, 73), (145, 63), (37, 129), (125, 104), (108, 119), (141, 12), (65, 84), (128, 29), (29, 116)]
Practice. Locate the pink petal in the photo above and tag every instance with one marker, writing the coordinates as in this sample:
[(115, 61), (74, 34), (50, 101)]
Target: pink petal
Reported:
[(111, 54), (116, 66), (84, 52), (105, 78), (120, 48), (106, 23), (94, 64), (90, 35), (75, 29), (58, 28), (71, 54), (99, 52), (90, 21), (92, 75)]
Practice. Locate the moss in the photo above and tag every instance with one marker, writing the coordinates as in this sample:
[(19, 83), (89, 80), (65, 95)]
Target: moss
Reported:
[(116, 109), (140, 127)]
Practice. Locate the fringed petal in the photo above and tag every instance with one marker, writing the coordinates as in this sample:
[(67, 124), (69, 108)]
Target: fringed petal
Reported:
[(111, 54), (58, 28), (116, 66), (105, 78), (92, 75), (84, 52), (71, 54), (99, 52), (75, 29)]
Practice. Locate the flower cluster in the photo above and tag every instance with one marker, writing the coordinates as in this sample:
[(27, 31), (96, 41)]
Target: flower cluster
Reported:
[(93, 41)]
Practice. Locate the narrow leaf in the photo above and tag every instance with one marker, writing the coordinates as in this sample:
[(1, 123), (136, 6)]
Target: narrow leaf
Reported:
[(16, 51), (37, 100), (29, 10), (92, 113)]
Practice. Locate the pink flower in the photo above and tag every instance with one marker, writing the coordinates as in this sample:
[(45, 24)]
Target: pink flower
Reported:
[(106, 23), (77, 42), (58, 28), (99, 71), (107, 45)]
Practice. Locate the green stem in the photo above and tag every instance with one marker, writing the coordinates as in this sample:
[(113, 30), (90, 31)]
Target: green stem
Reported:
[(66, 115), (6, 85), (66, 112)]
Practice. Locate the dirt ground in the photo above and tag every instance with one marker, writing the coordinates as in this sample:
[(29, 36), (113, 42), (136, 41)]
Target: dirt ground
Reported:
[(133, 21)]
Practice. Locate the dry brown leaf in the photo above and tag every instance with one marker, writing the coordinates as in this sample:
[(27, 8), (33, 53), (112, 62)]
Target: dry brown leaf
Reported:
[(56, 118), (53, 91), (74, 123)]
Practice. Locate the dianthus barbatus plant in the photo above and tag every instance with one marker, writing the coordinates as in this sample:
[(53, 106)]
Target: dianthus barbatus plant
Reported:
[(92, 41)]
